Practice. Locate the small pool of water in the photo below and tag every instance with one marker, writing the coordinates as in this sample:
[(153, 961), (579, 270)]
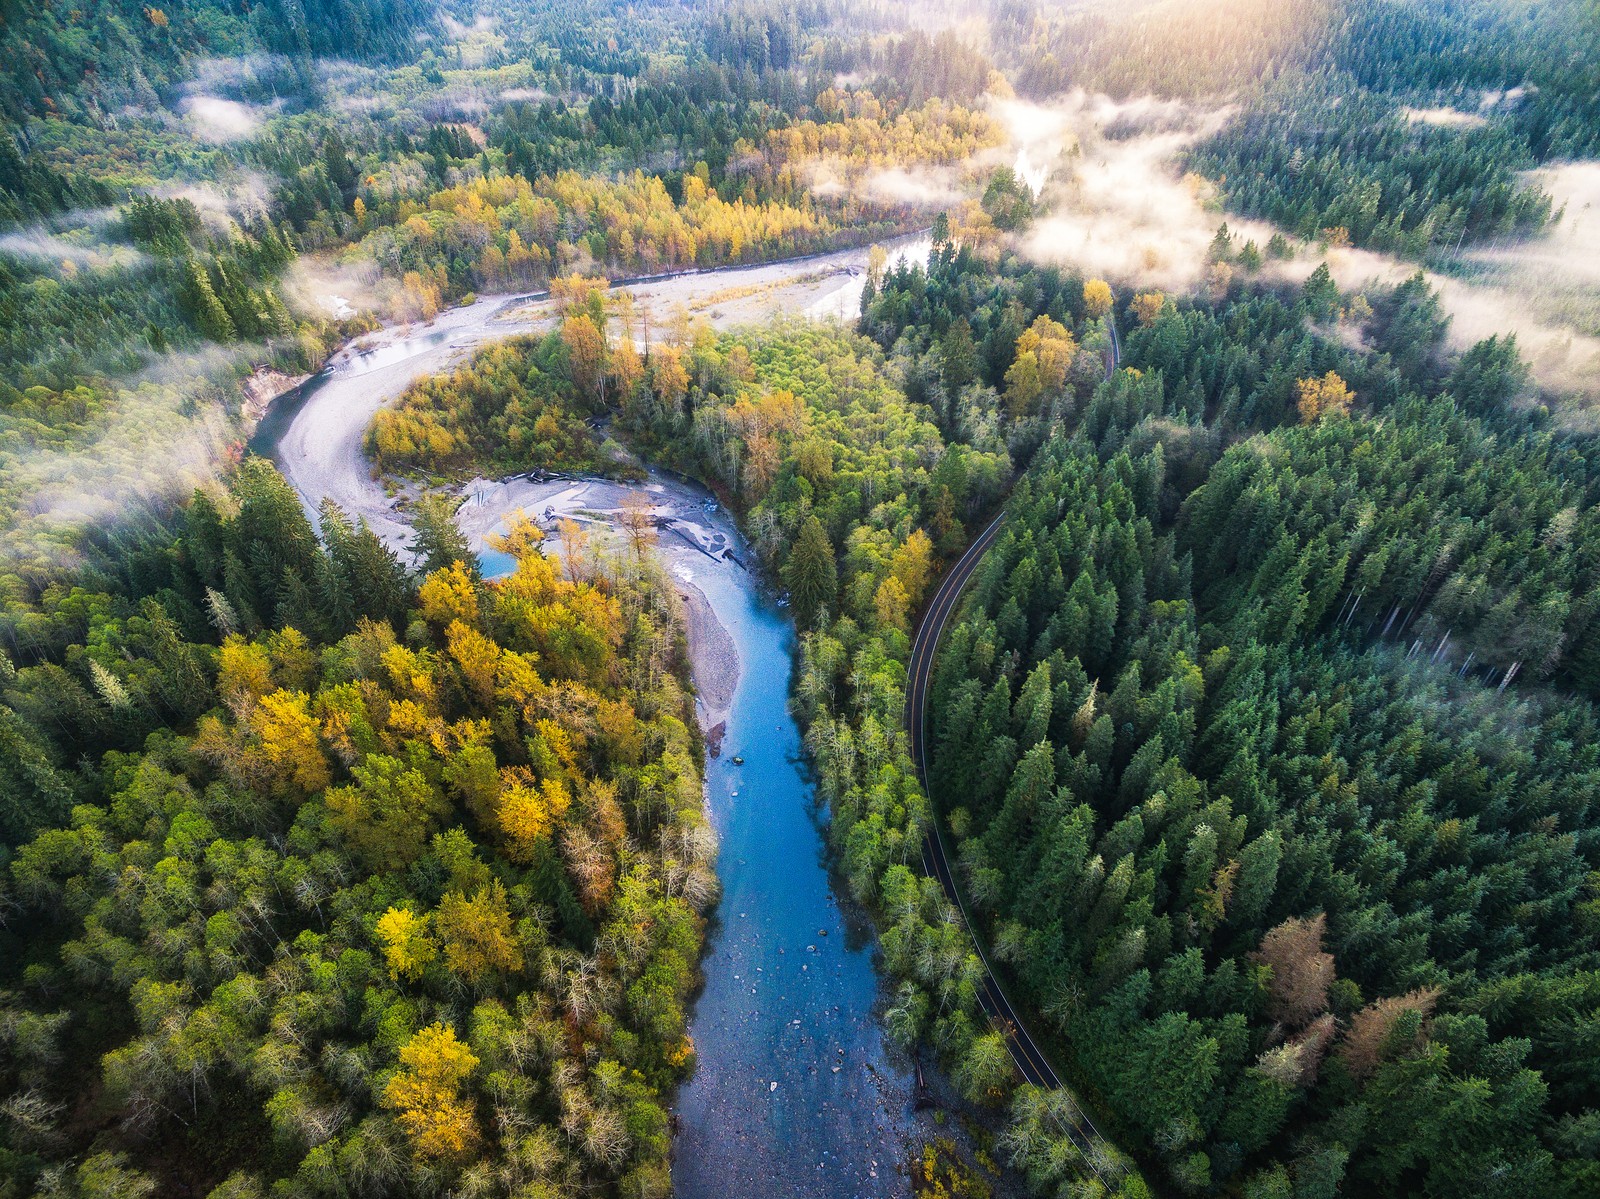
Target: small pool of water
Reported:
[(495, 564)]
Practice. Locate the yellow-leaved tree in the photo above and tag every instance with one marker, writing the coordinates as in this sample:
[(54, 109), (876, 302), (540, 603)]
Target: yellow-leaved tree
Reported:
[(477, 657), (449, 594), (1044, 355), (669, 378), (912, 565), (890, 604), (289, 746), (244, 673), (1147, 306), (407, 947), (528, 809), (1097, 297), (426, 1094), (586, 355), (477, 933), (1327, 396)]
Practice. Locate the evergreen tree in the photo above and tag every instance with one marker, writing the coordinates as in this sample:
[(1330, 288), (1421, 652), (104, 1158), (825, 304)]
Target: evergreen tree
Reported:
[(810, 573)]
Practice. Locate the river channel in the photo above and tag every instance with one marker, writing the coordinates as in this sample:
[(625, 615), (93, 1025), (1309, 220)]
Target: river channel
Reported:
[(796, 1091), (794, 1094)]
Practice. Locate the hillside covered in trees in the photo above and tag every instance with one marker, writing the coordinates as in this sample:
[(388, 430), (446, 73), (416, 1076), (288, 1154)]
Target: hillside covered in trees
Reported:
[(1399, 124), (1245, 794)]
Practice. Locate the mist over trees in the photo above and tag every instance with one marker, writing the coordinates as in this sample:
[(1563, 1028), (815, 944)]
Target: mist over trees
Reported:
[(1329, 136)]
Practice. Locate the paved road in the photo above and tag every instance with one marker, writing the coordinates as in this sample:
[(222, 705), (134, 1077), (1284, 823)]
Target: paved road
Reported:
[(1030, 1060)]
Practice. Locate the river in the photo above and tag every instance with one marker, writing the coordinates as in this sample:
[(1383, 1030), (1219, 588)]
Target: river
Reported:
[(794, 1094), (314, 432), (796, 1091)]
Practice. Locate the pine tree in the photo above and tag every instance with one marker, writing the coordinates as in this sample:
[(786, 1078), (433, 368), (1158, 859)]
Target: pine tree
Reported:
[(33, 794), (203, 307), (439, 542), (810, 573)]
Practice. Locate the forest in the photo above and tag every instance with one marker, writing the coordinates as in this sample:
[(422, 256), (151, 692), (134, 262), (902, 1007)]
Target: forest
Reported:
[(1333, 133), (372, 880), (1228, 739), (196, 194), (513, 406), (1266, 738)]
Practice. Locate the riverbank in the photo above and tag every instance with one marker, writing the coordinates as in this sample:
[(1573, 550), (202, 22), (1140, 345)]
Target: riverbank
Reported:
[(315, 432), (714, 662), (683, 518), (796, 1090)]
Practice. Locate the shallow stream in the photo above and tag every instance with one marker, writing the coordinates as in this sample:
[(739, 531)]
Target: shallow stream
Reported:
[(795, 1092)]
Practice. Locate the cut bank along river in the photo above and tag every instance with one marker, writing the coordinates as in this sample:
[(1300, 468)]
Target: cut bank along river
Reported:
[(795, 1092)]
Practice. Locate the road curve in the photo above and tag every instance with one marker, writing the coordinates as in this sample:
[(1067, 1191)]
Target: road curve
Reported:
[(1030, 1059)]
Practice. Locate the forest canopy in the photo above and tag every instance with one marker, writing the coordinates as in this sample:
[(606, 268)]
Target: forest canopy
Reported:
[(374, 878), (1265, 739)]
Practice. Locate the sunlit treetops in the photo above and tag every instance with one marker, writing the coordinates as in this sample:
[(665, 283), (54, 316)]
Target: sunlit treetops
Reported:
[(471, 859)]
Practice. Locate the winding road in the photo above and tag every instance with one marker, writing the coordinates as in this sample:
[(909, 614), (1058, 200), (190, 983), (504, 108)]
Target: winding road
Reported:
[(1031, 1062)]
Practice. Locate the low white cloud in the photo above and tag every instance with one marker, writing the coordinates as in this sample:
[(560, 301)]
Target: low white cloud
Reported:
[(1564, 360), (1509, 98), (1116, 204), (152, 444), (1113, 200), (327, 288), (216, 120), (38, 244), (1544, 289), (1447, 118), (240, 194), (923, 186), (239, 74)]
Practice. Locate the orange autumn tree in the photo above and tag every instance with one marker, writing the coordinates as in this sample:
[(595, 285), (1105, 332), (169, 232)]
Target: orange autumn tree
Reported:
[(1301, 970), (1387, 1026)]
